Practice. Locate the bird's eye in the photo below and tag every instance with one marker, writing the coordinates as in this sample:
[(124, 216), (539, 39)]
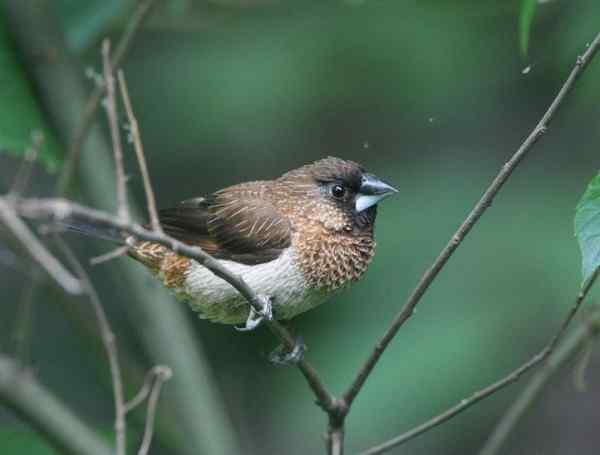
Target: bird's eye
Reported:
[(338, 191)]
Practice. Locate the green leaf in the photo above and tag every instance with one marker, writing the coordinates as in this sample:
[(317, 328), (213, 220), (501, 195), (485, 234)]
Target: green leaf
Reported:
[(20, 114), (587, 228), (526, 15)]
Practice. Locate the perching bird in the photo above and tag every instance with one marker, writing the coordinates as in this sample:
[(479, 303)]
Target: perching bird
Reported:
[(296, 239)]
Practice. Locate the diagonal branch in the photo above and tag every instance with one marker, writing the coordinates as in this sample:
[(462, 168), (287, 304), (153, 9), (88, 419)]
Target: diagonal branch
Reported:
[(484, 203), (572, 345), (488, 391), (202, 423), (62, 210), (36, 249)]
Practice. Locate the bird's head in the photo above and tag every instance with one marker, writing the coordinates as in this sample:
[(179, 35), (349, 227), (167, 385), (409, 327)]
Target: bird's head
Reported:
[(338, 193)]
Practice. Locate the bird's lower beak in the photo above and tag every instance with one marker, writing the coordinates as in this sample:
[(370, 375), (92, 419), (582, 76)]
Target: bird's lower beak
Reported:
[(372, 190)]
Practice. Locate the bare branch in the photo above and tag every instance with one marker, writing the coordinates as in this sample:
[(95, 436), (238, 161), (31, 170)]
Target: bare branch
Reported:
[(110, 346), (60, 210), (110, 106), (89, 114), (143, 393), (202, 418), (139, 151), (113, 254), (161, 375), (486, 200), (489, 390), (335, 439), (568, 349), (37, 250)]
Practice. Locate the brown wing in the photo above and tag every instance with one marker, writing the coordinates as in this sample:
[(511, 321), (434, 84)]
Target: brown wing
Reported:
[(237, 224)]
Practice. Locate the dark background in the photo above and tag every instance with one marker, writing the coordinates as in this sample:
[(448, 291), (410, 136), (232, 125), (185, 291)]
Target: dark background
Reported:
[(432, 97)]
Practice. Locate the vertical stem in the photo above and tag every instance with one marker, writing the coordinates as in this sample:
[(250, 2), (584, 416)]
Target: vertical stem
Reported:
[(110, 106), (335, 440), (163, 327)]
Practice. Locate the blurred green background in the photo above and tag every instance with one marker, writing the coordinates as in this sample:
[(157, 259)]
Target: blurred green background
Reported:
[(429, 95)]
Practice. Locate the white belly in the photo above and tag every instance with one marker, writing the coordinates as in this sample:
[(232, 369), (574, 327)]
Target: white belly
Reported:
[(279, 279)]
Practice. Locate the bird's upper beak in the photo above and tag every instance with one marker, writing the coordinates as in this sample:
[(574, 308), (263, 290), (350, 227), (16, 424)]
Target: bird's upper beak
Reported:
[(372, 190)]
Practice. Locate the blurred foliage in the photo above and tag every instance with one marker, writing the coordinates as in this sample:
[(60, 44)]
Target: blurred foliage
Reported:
[(430, 96), (20, 113), (587, 228)]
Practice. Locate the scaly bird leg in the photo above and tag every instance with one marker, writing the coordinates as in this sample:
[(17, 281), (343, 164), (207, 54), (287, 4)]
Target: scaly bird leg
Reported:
[(256, 317)]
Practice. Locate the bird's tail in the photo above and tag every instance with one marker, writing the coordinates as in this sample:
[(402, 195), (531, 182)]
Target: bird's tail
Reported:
[(93, 230)]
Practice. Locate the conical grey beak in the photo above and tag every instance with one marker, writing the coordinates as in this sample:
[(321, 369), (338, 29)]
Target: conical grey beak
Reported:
[(372, 190)]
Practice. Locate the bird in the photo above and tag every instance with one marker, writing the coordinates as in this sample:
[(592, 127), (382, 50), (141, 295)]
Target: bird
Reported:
[(297, 239)]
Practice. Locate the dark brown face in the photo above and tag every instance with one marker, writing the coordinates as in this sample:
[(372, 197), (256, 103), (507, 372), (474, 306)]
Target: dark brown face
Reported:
[(343, 195)]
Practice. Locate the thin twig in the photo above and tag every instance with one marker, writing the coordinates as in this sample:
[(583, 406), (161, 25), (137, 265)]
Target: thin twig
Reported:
[(486, 200), (513, 376), (567, 350), (36, 249), (110, 346), (161, 375), (113, 254), (134, 130), (143, 393), (202, 418), (60, 210), (89, 114), (24, 318), (110, 106)]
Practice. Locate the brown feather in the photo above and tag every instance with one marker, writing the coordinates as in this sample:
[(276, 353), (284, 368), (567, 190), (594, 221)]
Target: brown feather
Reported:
[(231, 224)]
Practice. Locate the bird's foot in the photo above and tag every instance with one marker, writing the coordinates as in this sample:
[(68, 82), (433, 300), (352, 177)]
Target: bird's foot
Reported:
[(281, 356), (256, 317)]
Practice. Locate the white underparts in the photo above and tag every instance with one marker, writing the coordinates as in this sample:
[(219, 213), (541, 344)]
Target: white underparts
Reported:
[(280, 279)]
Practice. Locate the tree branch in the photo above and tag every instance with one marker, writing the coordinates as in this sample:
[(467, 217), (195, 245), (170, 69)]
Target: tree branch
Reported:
[(134, 130), (37, 250), (568, 349), (202, 423), (62, 210), (160, 374), (66, 432), (110, 346), (110, 105), (484, 203), (88, 117), (492, 388)]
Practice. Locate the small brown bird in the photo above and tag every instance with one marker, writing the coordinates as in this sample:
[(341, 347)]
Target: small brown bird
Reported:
[(296, 239)]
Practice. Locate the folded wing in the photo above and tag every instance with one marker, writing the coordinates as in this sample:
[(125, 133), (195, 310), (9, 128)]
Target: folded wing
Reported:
[(237, 224)]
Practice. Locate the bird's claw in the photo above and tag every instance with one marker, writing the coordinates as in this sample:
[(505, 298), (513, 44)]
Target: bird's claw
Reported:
[(256, 317), (280, 356)]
